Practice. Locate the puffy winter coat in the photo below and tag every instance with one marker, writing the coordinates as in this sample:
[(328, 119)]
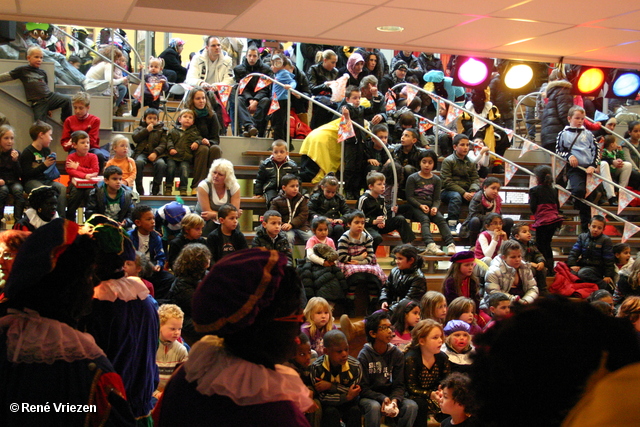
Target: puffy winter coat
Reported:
[(269, 175), (555, 113), (319, 281), (334, 208), (500, 277), (150, 142)]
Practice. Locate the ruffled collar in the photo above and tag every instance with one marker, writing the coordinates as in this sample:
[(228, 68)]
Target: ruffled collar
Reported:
[(218, 372), (34, 339), (125, 288), (35, 220)]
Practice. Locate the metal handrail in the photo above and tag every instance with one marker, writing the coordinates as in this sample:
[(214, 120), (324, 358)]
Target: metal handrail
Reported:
[(393, 166), (515, 116), (539, 147)]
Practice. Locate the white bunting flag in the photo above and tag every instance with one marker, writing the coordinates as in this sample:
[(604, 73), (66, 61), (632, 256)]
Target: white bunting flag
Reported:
[(509, 172), (629, 230), (563, 196)]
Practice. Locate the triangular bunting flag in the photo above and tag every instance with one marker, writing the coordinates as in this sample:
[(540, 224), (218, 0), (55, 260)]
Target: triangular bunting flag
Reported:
[(275, 105), (390, 102), (624, 198), (629, 230), (345, 130), (477, 125), (424, 125), (435, 99), (224, 91), (600, 116), (155, 89), (510, 134), (441, 103), (592, 183), (563, 196), (262, 83), (243, 83), (560, 164), (411, 93), (451, 115), (594, 211), (528, 146), (533, 181), (509, 172)]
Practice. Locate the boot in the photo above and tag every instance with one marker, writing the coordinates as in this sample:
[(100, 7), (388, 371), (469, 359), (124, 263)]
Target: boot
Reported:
[(155, 189), (350, 329), (168, 190)]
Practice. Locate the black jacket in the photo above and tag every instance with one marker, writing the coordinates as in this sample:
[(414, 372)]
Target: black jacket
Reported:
[(172, 61), (176, 245), (371, 207), (409, 283), (319, 281), (97, 203), (280, 243), (318, 75), (10, 170), (590, 252), (270, 174), (244, 69), (555, 113), (150, 142), (215, 243), (335, 208)]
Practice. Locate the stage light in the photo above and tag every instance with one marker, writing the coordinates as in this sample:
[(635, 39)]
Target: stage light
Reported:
[(518, 76), (590, 80), (624, 84), (472, 72)]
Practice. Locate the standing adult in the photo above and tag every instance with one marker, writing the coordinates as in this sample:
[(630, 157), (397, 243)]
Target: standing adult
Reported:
[(355, 69), (220, 187), (320, 75), (556, 110), (173, 68), (209, 127)]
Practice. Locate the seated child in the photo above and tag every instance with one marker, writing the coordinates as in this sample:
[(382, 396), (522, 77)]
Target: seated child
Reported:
[(407, 155), (155, 83), (423, 191), (81, 164), (622, 253), (10, 173), (327, 202), (483, 203), (301, 363), (461, 280), (147, 240), (227, 238), (406, 280), (460, 180), (356, 255), (82, 120), (489, 242), (464, 309), (192, 225), (383, 375), (603, 301), (270, 235), (181, 143), (457, 345), (372, 205), (272, 170), (508, 274), (336, 377), (110, 198), (376, 156), (36, 87), (319, 321), (405, 315), (434, 306), (425, 366), (532, 255), (591, 257), (479, 154), (168, 221), (614, 168), (499, 305), (36, 159), (457, 401), (320, 228), (151, 147), (171, 352), (294, 209), (140, 267), (121, 157)]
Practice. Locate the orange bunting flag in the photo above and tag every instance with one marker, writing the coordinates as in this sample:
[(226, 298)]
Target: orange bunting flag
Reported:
[(424, 125), (629, 230), (224, 91), (243, 83), (624, 198), (452, 114), (563, 196), (596, 211), (390, 103), (345, 131), (509, 172), (441, 103), (275, 105), (510, 134), (592, 183), (533, 181), (411, 93), (560, 164), (528, 146), (262, 83)]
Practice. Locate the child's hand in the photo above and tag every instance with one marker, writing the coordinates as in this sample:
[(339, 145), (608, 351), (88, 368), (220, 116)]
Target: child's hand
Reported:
[(2, 182), (384, 305), (424, 208), (206, 142), (194, 146), (157, 268), (173, 151), (575, 268), (322, 385), (337, 221), (71, 164), (91, 175), (345, 112), (573, 161), (353, 392), (591, 170), (376, 119), (608, 280), (152, 157), (150, 127), (395, 209), (14, 155), (540, 266), (257, 196), (286, 227), (49, 161), (468, 196), (434, 211), (373, 162), (287, 87), (328, 264), (617, 163)]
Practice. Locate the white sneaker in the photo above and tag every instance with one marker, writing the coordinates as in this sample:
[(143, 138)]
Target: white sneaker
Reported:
[(453, 226), (433, 249), (451, 249)]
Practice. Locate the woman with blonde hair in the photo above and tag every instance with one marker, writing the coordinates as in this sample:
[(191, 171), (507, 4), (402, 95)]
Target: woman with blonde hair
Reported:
[(219, 187)]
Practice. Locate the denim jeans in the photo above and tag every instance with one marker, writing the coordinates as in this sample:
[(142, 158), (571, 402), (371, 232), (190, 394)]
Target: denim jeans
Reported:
[(454, 204), (159, 171), (371, 411), (14, 188), (184, 172)]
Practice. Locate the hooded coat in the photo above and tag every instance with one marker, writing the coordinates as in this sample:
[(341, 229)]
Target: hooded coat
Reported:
[(555, 113)]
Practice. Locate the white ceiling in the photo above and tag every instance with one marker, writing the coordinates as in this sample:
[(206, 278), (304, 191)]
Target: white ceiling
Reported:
[(583, 32)]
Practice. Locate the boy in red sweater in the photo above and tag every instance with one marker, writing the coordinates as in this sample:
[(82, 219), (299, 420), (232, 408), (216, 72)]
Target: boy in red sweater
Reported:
[(81, 164), (82, 120)]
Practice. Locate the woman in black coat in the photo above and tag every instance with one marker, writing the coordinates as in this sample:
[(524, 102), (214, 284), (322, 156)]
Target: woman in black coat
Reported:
[(173, 61), (556, 110)]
